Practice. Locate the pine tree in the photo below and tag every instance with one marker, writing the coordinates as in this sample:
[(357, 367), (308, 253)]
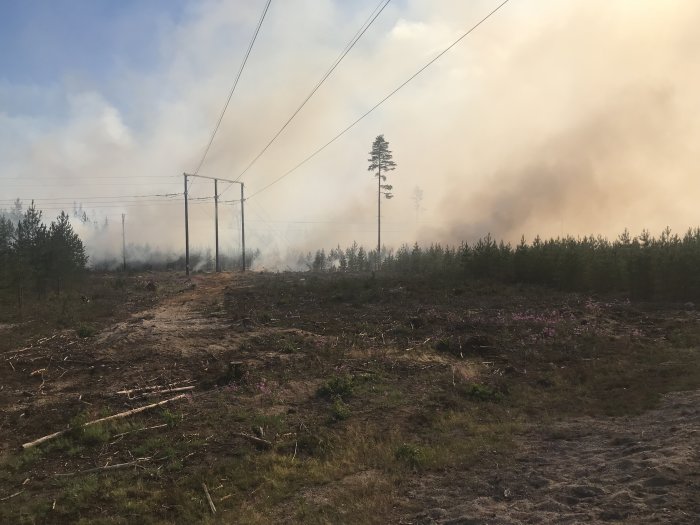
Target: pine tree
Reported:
[(7, 236), (381, 160), (67, 254), (30, 252)]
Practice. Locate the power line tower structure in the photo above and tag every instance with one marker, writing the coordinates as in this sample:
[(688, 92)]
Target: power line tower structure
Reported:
[(216, 220)]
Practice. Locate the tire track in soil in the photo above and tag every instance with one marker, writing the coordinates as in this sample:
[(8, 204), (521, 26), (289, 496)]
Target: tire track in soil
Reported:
[(170, 342)]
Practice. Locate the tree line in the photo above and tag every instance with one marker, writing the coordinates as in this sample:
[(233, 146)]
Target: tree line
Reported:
[(642, 266), (36, 258)]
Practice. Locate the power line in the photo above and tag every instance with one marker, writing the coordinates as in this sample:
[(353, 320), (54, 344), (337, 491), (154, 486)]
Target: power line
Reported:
[(69, 182), (92, 177), (365, 26), (233, 88), (58, 207), (166, 195), (367, 113)]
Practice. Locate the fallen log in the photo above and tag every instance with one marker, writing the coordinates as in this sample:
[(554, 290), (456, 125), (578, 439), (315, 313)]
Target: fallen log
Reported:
[(131, 412)]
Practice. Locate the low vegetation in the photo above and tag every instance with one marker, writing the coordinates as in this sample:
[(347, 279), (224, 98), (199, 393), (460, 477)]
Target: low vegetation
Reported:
[(318, 398)]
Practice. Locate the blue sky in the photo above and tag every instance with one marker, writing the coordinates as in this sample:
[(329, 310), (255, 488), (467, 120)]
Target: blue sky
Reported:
[(42, 41)]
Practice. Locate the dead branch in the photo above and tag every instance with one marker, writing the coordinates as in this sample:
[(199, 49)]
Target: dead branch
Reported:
[(168, 387), (166, 391), (106, 467), (102, 420), (138, 430), (211, 503), (12, 495), (254, 439)]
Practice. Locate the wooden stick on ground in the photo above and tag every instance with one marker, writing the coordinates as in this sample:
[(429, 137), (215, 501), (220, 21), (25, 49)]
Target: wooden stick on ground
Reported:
[(254, 439), (139, 430), (102, 420), (211, 503), (106, 467), (165, 391), (157, 387), (12, 495)]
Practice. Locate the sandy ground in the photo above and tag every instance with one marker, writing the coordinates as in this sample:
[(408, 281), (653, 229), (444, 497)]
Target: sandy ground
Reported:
[(642, 469)]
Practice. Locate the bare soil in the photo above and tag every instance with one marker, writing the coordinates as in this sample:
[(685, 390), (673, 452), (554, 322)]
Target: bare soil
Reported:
[(383, 400), (641, 469)]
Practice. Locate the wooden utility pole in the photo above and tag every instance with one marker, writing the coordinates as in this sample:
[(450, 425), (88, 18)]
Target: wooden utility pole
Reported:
[(216, 220), (242, 230), (216, 224), (123, 243), (379, 214), (187, 233)]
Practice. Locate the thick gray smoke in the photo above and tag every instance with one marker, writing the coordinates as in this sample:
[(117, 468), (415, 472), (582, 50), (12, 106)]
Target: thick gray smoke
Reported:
[(553, 118)]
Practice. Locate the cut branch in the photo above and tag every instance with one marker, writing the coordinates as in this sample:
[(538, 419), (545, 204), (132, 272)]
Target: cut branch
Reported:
[(165, 391), (164, 388), (254, 439), (107, 467), (102, 420), (12, 495), (211, 503)]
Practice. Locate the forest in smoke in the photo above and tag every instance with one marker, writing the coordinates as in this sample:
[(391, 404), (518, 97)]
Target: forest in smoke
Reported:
[(40, 258)]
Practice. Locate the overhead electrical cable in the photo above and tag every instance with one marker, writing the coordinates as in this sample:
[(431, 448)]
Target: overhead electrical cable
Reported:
[(92, 177), (387, 97), (360, 32), (233, 88), (165, 195)]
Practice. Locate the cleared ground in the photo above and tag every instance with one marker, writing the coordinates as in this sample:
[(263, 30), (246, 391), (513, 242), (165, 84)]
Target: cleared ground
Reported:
[(351, 399)]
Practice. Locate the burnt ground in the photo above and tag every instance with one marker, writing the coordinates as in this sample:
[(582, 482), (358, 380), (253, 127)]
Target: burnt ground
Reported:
[(353, 399)]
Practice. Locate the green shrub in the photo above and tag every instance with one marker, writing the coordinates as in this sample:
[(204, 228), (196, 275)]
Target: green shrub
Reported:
[(481, 392), (170, 419), (340, 410), (336, 387), (85, 330), (411, 455)]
